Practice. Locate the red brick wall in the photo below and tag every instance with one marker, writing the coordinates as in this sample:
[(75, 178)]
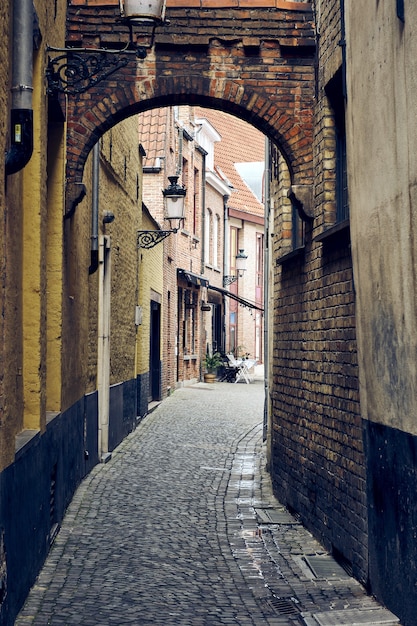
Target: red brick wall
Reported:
[(317, 449), (255, 62)]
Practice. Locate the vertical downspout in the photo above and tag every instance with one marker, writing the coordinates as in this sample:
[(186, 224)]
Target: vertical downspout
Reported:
[(21, 116), (94, 210), (226, 241), (180, 142), (203, 213), (203, 253), (226, 236), (342, 44), (267, 204)]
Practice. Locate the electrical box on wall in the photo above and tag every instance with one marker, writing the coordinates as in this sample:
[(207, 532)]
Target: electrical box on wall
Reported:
[(138, 315)]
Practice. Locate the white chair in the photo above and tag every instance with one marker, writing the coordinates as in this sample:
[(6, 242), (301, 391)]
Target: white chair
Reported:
[(243, 368)]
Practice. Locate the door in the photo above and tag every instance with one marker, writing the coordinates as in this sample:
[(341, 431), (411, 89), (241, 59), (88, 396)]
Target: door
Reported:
[(155, 352)]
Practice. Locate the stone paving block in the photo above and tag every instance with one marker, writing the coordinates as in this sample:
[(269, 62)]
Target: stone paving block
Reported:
[(181, 527)]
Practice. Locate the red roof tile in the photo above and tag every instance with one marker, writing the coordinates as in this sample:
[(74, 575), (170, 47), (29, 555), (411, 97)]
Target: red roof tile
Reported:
[(240, 143)]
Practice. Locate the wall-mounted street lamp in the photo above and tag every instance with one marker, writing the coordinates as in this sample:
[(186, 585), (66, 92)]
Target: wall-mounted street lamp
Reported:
[(174, 206), (143, 10), (75, 70), (241, 259)]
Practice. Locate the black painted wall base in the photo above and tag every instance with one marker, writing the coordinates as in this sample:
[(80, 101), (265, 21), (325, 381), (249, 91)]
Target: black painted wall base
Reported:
[(122, 412), (38, 487), (392, 517), (34, 494), (142, 393)]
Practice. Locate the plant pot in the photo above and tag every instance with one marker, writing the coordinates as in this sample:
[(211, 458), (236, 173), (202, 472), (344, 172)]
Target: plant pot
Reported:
[(209, 377)]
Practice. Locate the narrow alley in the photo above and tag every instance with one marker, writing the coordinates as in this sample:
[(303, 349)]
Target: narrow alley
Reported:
[(180, 527)]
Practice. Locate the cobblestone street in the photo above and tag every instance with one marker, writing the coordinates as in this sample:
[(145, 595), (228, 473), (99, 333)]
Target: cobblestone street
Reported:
[(180, 527)]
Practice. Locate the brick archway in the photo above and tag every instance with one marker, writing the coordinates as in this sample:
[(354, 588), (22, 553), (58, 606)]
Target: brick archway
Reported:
[(256, 63)]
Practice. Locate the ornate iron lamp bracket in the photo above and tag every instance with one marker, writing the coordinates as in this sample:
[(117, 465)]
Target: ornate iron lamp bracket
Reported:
[(150, 238), (75, 72), (228, 280)]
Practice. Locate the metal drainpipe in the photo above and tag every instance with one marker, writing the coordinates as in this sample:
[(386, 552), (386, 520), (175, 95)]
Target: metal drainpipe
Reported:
[(180, 142), (203, 253), (267, 203), (203, 214), (226, 241), (342, 43), (21, 147), (94, 210)]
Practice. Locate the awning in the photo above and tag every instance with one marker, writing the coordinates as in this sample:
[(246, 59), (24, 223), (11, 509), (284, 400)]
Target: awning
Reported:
[(194, 279), (233, 296)]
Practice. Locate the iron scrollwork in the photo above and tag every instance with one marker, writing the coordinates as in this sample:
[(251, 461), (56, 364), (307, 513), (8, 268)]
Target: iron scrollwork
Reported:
[(75, 72), (150, 238), (228, 280)]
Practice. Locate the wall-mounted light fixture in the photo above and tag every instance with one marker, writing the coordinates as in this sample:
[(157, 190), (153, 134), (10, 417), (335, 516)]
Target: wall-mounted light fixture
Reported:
[(75, 70), (143, 10), (241, 259), (174, 205)]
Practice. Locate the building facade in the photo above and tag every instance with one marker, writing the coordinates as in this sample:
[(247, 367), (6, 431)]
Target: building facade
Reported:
[(70, 292), (381, 87), (317, 451), (332, 86), (208, 312)]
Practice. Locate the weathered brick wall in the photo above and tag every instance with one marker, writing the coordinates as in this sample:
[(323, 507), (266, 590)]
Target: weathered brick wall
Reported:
[(6, 425), (150, 282), (246, 289), (317, 450), (26, 245), (257, 63), (119, 193)]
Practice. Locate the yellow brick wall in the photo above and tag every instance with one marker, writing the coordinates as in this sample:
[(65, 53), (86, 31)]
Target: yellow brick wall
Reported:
[(150, 280), (31, 248), (119, 193)]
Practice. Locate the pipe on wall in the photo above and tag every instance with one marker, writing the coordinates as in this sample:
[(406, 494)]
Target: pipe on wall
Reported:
[(267, 268), (94, 209), (21, 117)]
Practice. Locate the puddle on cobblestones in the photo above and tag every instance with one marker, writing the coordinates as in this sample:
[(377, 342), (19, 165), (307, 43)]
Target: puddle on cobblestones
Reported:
[(247, 501), (249, 534), (214, 469), (244, 484)]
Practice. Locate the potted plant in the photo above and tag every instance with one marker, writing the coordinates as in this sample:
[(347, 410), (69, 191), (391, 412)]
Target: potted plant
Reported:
[(211, 363)]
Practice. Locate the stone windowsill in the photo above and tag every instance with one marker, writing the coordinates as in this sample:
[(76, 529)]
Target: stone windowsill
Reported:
[(289, 256)]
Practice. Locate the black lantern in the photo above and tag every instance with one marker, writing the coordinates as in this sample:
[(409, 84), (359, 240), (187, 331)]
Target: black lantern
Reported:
[(174, 201), (174, 197)]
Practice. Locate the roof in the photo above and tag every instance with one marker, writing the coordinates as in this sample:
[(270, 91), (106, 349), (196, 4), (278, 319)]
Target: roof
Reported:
[(240, 143), (152, 134)]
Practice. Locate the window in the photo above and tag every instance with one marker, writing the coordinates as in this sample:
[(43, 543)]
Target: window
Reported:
[(259, 277), (190, 322), (342, 204), (215, 240), (207, 228), (334, 91), (287, 220), (185, 181), (297, 229), (259, 291), (233, 250)]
